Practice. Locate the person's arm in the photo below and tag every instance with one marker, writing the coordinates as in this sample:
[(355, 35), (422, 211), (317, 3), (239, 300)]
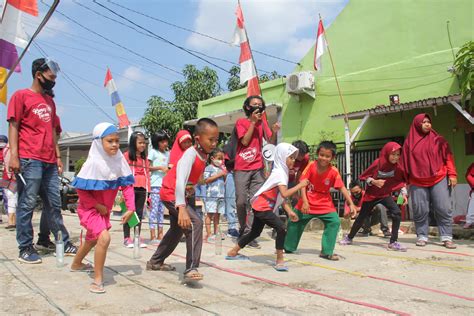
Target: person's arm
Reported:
[(285, 192), (129, 196), (14, 164), (59, 162), (348, 198), (183, 170), (304, 198), (275, 129), (213, 178), (291, 214), (469, 176), (88, 200), (452, 173), (247, 137)]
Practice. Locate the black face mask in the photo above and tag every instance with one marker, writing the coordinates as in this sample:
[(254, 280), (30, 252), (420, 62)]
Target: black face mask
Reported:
[(46, 84), (357, 196)]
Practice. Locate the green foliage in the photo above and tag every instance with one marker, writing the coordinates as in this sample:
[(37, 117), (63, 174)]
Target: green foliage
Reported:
[(78, 165), (463, 65), (162, 115)]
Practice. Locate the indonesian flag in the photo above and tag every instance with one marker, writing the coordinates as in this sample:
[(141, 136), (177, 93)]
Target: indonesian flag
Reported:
[(28, 6), (320, 46), (109, 83), (248, 72)]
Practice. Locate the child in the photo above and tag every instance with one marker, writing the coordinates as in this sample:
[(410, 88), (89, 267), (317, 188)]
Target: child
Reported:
[(159, 159), (470, 206), (10, 191), (182, 142), (136, 157), (316, 202), (104, 171), (383, 177), (183, 215), (268, 199), (214, 201)]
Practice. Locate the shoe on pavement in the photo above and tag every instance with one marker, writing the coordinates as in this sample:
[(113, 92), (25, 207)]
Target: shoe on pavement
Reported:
[(396, 246), (233, 233), (70, 249), (29, 255), (46, 245), (387, 234), (254, 244), (128, 242), (345, 241)]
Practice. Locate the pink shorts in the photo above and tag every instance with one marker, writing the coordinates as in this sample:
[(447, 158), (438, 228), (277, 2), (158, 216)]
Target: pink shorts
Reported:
[(93, 222)]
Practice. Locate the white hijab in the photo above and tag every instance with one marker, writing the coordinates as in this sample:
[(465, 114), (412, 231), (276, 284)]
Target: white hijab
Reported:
[(280, 171), (102, 171)]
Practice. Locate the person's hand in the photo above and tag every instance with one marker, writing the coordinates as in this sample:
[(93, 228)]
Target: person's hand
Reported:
[(378, 183), (303, 183), (126, 217), (293, 216), (353, 210), (256, 116), (60, 165), (453, 181), (276, 127), (101, 209), (184, 221), (305, 208), (223, 173), (14, 165), (405, 199)]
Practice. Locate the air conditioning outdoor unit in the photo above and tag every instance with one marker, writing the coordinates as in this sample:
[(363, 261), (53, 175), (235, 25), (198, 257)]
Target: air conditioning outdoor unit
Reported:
[(301, 82)]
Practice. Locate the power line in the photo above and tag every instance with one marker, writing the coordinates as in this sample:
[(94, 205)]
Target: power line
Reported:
[(160, 37), (113, 42), (198, 33)]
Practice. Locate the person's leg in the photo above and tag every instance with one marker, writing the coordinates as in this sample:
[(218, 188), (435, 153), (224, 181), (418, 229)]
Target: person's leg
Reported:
[(257, 228), (32, 171), (140, 200), (295, 230), (208, 224), (365, 211), (171, 238), (82, 252), (396, 214), (440, 200), (420, 203), (153, 218), (216, 223), (257, 179), (366, 225), (100, 253), (331, 228), (12, 205), (193, 238), (383, 218), (161, 215), (470, 211), (242, 187), (44, 231), (230, 212)]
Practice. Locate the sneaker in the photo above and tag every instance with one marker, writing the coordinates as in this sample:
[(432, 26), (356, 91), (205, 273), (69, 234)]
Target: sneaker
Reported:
[(211, 239), (364, 233), (155, 242), (345, 241), (254, 244), (142, 243), (47, 245), (29, 255), (70, 249), (232, 233), (128, 242), (387, 234), (396, 246)]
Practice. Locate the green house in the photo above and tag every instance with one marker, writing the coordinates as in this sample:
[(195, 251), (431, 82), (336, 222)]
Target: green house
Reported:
[(380, 48)]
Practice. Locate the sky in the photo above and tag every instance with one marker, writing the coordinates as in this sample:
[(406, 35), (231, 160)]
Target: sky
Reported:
[(144, 66)]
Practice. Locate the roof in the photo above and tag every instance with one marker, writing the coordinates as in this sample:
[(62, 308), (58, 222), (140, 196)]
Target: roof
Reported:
[(388, 109), (86, 139)]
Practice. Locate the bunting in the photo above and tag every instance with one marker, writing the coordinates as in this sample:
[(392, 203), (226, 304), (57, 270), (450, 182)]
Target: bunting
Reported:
[(109, 83)]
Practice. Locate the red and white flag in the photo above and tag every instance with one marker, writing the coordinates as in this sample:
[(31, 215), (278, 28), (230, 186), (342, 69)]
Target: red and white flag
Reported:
[(320, 47), (248, 72)]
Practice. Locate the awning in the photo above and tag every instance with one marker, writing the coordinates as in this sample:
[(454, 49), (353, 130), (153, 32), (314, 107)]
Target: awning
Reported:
[(226, 121), (389, 109)]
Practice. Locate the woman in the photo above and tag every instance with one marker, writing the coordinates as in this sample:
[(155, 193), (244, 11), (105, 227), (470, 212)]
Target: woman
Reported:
[(429, 167)]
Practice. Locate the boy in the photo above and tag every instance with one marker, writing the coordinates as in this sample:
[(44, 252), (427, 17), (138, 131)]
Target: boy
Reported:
[(316, 202), (178, 199)]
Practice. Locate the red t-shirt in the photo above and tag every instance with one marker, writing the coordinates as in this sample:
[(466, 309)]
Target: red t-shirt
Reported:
[(317, 192), (266, 201), (140, 169), (249, 157), (35, 114), (299, 166)]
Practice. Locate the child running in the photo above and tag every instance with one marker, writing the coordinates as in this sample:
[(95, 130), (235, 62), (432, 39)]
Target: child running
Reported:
[(214, 201), (316, 202), (136, 157), (268, 199), (159, 158), (183, 215), (104, 171), (383, 177)]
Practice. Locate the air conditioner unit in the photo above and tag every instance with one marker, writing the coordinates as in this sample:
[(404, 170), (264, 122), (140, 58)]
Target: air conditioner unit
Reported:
[(301, 82)]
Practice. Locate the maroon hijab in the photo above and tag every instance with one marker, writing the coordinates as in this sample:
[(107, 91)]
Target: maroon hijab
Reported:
[(383, 163), (423, 154), (176, 150)]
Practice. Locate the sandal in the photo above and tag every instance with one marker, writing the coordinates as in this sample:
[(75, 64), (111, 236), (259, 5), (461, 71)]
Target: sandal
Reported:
[(85, 268), (332, 257), (281, 267), (159, 267), (449, 244), (420, 243), (97, 288), (192, 275)]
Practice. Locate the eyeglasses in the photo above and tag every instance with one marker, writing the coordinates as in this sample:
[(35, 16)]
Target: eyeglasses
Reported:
[(51, 65)]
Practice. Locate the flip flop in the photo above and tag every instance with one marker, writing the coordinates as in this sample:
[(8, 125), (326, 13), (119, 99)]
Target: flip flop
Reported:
[(332, 257), (281, 267), (421, 243), (238, 257), (192, 276), (85, 268), (97, 288), (159, 267)]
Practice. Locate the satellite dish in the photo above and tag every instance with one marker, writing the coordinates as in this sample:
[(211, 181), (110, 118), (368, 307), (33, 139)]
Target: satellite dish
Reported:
[(268, 152)]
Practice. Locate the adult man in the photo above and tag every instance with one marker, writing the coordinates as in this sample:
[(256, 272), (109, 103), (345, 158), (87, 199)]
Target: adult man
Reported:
[(33, 139), (248, 168)]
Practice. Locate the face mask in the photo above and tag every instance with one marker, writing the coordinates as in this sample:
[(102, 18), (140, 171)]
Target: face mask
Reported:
[(217, 162), (46, 84), (358, 195)]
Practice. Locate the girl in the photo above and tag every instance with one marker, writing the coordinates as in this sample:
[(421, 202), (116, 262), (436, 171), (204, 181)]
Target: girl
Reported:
[(429, 167), (268, 199), (182, 142), (383, 177), (470, 205), (104, 171), (159, 159), (214, 201), (136, 157)]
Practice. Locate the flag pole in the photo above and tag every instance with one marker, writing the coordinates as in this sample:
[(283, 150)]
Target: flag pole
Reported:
[(347, 135), (46, 18)]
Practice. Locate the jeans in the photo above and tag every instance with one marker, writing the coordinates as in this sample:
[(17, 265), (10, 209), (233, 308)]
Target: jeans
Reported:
[(230, 210), (41, 178)]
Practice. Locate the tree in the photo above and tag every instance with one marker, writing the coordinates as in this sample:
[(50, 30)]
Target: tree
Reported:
[(198, 85), (463, 65), (233, 83)]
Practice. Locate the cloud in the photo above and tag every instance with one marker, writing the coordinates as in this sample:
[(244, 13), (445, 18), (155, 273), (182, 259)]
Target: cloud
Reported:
[(53, 28), (297, 48), (132, 76)]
